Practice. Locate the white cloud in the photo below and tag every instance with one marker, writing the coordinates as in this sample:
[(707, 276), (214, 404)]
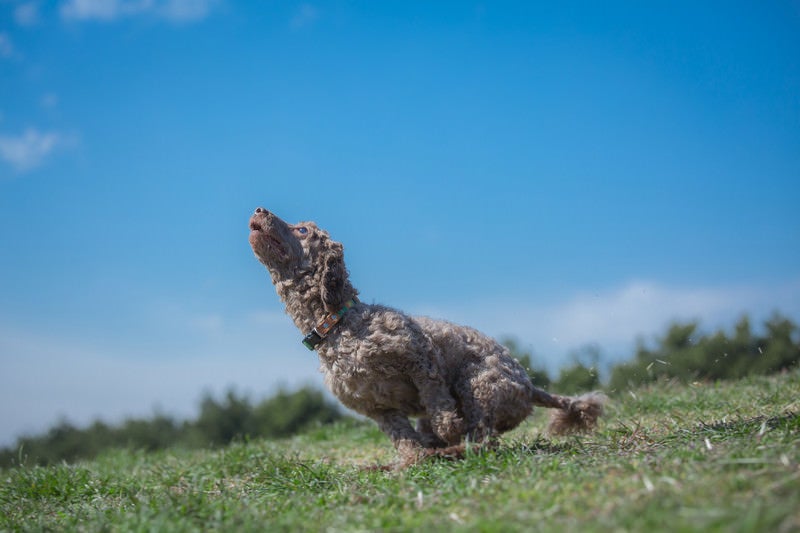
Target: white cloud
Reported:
[(305, 16), (29, 150), (6, 47), (186, 10), (110, 10), (27, 14), (105, 10), (615, 318), (49, 100)]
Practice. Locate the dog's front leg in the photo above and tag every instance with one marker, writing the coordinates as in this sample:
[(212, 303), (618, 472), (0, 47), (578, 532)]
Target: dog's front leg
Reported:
[(407, 441), (446, 423), (429, 437)]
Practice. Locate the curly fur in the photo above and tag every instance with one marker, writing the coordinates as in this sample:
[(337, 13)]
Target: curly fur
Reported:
[(458, 383)]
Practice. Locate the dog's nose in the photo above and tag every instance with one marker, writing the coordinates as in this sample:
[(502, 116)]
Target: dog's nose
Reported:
[(260, 210)]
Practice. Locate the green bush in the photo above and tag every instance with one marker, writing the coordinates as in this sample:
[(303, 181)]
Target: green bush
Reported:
[(687, 355), (683, 354), (219, 423)]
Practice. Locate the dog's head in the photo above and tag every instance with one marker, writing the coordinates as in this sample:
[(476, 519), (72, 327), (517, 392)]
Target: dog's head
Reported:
[(293, 250)]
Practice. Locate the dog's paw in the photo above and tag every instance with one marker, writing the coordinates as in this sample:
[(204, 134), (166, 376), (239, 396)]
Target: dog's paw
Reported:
[(409, 451), (449, 426)]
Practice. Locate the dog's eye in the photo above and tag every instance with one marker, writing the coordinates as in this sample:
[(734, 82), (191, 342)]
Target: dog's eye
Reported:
[(302, 230)]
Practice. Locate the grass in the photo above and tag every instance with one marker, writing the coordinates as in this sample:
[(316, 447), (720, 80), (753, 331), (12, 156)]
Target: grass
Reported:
[(710, 457)]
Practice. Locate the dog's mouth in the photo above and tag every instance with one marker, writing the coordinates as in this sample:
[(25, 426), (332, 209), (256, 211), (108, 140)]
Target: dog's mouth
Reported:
[(264, 241)]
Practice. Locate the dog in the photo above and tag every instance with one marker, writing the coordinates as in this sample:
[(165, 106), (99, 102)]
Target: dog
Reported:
[(460, 385)]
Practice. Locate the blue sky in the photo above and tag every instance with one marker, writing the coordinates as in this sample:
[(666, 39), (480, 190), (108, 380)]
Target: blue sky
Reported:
[(566, 173)]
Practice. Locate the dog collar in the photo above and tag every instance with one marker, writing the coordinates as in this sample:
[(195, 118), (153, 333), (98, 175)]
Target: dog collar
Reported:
[(319, 333)]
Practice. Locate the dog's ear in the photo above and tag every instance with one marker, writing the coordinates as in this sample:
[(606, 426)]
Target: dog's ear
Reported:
[(334, 276)]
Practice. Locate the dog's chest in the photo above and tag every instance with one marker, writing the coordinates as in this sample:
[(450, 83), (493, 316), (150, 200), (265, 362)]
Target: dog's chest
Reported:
[(366, 389)]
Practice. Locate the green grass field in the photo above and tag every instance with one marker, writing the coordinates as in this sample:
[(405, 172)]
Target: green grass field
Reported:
[(710, 457)]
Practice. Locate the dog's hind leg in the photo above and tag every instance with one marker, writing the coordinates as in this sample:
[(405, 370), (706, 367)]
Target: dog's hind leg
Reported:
[(440, 406)]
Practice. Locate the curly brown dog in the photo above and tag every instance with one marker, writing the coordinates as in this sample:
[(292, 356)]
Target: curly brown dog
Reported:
[(458, 383)]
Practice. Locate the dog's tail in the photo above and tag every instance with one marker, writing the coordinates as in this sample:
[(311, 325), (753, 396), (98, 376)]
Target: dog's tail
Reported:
[(571, 415)]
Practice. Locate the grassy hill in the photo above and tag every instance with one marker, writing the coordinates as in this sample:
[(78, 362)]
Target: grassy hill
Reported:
[(708, 456)]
